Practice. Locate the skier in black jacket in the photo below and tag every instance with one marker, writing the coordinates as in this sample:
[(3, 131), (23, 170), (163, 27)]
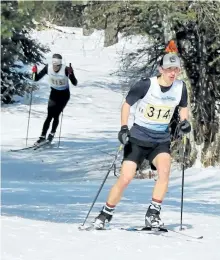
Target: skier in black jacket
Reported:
[(59, 76)]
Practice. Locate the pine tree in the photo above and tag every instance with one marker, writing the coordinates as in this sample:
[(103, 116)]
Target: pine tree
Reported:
[(17, 46)]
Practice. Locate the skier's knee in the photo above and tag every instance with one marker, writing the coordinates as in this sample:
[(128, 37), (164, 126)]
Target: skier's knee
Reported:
[(163, 174), (124, 181)]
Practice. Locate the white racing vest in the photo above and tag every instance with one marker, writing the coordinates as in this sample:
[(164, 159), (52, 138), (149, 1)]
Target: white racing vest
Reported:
[(155, 110), (58, 80)]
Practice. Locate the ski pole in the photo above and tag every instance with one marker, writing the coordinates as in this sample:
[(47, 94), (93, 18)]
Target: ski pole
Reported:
[(29, 114), (103, 182), (183, 175), (60, 128)]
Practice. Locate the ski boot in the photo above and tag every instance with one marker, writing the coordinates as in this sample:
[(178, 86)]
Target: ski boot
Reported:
[(50, 137), (152, 217), (40, 140), (101, 220)]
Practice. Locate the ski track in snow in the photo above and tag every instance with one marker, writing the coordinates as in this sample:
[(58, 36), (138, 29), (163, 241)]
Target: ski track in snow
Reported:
[(46, 194)]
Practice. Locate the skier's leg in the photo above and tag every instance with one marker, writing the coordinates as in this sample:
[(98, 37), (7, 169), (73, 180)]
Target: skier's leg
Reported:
[(55, 122), (133, 155), (46, 124), (50, 112), (61, 103), (162, 162), (128, 171)]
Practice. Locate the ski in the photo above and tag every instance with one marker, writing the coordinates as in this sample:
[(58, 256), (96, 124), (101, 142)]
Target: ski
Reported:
[(148, 230), (92, 227), (32, 147), (139, 229), (186, 235), (86, 228), (161, 229), (22, 149)]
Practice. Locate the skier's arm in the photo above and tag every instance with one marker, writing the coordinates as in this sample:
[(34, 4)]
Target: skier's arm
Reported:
[(70, 74), (41, 74), (73, 79), (184, 111), (125, 112), (138, 91)]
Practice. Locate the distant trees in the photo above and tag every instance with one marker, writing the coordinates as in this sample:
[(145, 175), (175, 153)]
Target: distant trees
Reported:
[(195, 26), (61, 13)]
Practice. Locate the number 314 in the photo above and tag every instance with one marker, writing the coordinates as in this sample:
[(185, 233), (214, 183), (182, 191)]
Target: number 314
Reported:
[(158, 114)]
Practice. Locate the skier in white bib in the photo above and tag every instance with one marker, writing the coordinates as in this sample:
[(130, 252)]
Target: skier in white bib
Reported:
[(59, 74), (149, 137)]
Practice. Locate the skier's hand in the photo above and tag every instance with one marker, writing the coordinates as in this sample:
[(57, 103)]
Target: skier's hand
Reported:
[(34, 69), (123, 134), (70, 70), (185, 127)]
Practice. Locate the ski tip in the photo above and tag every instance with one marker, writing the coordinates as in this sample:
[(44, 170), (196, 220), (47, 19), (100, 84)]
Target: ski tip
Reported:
[(85, 228), (81, 227), (91, 228)]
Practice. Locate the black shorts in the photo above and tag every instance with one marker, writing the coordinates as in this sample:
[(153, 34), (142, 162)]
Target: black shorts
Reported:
[(137, 154)]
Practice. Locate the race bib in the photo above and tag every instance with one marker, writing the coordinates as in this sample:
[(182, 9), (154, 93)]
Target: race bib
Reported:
[(58, 82), (160, 114)]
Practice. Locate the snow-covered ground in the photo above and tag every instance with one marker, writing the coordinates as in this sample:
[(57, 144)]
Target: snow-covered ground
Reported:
[(46, 194)]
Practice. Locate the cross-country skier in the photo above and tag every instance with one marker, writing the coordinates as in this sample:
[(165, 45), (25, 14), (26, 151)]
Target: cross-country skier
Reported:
[(59, 76), (149, 136)]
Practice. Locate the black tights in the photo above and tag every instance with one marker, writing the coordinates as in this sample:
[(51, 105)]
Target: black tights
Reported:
[(47, 124), (56, 104)]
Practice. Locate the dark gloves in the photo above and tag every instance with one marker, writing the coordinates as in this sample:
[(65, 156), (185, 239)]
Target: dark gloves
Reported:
[(70, 69), (123, 134), (34, 69), (185, 127)]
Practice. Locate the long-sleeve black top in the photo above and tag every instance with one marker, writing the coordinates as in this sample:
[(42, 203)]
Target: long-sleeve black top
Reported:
[(44, 71)]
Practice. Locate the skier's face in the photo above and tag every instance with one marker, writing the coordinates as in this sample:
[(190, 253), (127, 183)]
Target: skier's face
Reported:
[(170, 74), (56, 68)]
